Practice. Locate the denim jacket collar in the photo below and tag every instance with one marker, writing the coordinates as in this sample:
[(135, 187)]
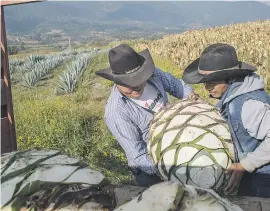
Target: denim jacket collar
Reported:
[(224, 99)]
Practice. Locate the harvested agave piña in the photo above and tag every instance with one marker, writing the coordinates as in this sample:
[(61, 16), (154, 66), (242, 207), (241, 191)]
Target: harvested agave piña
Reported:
[(173, 196), (48, 175), (191, 143)]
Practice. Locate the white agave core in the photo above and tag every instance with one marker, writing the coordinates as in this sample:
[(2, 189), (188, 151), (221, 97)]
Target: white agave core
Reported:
[(178, 120), (190, 133), (188, 136), (168, 139)]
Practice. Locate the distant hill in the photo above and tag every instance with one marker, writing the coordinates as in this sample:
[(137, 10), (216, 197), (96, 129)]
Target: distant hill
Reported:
[(118, 19)]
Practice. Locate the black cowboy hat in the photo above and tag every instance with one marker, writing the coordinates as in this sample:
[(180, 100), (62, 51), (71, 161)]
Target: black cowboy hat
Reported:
[(217, 62), (127, 67)]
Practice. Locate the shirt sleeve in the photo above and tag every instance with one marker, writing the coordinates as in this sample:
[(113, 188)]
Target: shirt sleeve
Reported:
[(173, 85), (256, 120), (128, 137)]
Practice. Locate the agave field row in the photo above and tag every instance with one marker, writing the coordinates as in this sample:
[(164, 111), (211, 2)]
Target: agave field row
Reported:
[(251, 41), (36, 67), (25, 65)]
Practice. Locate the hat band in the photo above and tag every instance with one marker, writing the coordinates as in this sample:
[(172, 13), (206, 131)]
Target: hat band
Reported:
[(130, 71), (206, 72)]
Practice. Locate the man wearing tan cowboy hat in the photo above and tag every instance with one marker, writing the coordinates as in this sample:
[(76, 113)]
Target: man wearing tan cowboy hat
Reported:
[(139, 92), (245, 105)]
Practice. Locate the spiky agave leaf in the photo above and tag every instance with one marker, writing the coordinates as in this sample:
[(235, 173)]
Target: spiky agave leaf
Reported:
[(14, 65), (16, 62), (69, 79), (28, 66), (35, 58), (30, 79), (66, 83), (40, 66), (12, 69)]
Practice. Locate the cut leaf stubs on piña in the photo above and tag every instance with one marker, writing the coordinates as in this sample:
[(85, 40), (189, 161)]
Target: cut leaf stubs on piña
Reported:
[(191, 143)]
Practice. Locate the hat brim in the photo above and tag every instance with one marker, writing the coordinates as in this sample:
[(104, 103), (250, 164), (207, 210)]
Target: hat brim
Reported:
[(132, 79), (191, 74)]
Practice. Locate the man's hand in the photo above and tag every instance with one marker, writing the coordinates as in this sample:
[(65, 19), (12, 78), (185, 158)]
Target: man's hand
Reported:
[(194, 97), (237, 171)]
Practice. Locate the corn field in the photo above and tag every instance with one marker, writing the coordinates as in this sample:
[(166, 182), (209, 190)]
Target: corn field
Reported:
[(251, 40)]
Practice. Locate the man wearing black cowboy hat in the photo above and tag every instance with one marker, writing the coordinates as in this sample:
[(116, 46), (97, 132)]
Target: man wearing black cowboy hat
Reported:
[(139, 92), (245, 105)]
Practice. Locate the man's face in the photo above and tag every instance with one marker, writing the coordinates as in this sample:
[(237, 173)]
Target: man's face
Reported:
[(216, 89), (131, 92)]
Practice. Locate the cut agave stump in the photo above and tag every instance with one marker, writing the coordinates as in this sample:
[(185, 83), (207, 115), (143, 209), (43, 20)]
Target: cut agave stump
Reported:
[(191, 143)]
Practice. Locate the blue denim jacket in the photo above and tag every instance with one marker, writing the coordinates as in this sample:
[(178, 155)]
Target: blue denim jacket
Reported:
[(231, 111)]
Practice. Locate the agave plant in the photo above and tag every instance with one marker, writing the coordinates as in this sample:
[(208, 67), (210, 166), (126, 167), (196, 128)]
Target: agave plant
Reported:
[(38, 68), (36, 58), (75, 69), (68, 80), (14, 66), (16, 62), (31, 61), (30, 79), (191, 143), (28, 66), (12, 69), (66, 84)]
